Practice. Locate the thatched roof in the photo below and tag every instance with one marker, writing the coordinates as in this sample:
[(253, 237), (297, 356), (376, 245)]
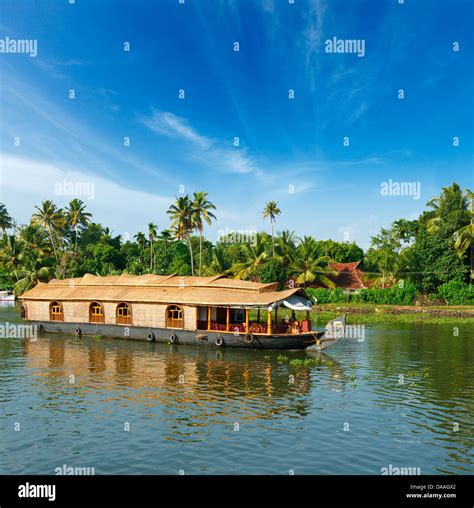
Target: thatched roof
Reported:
[(216, 290)]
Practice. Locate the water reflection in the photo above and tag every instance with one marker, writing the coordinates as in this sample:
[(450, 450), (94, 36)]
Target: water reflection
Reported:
[(192, 376), (182, 403)]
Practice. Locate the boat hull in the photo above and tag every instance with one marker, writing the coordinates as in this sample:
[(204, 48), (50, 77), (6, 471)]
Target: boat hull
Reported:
[(180, 336)]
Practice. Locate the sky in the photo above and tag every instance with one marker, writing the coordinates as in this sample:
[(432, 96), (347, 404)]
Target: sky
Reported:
[(319, 132)]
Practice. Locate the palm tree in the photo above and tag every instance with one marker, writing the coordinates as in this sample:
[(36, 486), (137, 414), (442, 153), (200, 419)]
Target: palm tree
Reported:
[(6, 222), (255, 257), (12, 253), (271, 210), (202, 210), (220, 262), (285, 247), (152, 236), (450, 200), (309, 268), (51, 218), (27, 278), (181, 214), (464, 235), (76, 216)]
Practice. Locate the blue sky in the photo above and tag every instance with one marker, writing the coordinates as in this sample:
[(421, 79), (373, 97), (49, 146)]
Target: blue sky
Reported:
[(291, 150)]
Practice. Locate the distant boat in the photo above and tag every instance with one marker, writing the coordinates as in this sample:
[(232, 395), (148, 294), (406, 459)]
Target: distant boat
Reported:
[(7, 296)]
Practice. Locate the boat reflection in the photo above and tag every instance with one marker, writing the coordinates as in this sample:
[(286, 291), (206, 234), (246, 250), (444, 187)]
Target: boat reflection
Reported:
[(186, 376)]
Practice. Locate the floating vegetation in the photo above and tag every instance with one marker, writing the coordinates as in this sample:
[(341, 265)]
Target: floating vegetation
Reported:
[(307, 362), (353, 366), (97, 336), (266, 357), (418, 373), (282, 358)]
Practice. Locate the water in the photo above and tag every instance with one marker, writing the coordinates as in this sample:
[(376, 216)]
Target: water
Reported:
[(239, 412)]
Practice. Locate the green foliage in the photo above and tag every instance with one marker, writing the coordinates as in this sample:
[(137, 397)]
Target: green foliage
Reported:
[(412, 259), (401, 294), (274, 271), (456, 292), (323, 295)]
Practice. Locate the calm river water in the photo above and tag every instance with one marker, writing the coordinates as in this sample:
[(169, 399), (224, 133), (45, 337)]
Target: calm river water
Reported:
[(403, 397)]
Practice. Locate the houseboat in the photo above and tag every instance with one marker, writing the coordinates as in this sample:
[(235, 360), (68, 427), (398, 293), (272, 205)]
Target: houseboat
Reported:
[(7, 296), (214, 311)]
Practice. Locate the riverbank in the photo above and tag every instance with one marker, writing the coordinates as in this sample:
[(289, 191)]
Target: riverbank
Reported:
[(370, 313)]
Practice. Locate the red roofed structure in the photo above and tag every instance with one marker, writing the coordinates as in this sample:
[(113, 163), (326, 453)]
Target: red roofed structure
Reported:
[(347, 276)]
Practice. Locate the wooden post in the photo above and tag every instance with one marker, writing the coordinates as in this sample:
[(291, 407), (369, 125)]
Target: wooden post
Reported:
[(246, 321), (258, 316), (227, 323), (269, 323), (309, 320), (208, 318), (276, 315)]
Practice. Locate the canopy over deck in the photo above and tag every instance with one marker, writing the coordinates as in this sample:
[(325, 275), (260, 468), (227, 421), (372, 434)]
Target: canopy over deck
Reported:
[(293, 302)]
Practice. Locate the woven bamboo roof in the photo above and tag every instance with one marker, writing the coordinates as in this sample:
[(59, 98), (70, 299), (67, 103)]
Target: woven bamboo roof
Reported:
[(216, 290)]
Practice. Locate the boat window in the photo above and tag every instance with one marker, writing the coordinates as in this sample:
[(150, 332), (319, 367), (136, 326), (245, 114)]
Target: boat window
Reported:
[(174, 316), (56, 311), (124, 314), (96, 312)]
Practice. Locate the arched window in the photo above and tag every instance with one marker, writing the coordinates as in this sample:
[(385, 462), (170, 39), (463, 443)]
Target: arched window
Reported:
[(56, 311), (24, 312), (124, 314), (174, 316), (96, 312)]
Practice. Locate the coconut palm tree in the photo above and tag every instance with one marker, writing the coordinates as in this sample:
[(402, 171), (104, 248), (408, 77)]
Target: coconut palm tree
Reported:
[(285, 247), (309, 268), (220, 262), (52, 219), (12, 253), (271, 210), (152, 232), (6, 222), (27, 278), (181, 214), (463, 236), (202, 211), (450, 200), (255, 257), (76, 216)]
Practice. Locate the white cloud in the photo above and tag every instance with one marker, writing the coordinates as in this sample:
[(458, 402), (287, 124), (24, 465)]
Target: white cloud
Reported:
[(25, 183), (163, 122), (211, 152)]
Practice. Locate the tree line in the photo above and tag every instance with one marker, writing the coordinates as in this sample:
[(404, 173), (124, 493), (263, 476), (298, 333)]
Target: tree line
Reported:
[(65, 242)]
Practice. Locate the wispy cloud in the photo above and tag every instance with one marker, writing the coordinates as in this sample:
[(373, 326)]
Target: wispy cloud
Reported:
[(312, 36), (168, 124), (211, 152)]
